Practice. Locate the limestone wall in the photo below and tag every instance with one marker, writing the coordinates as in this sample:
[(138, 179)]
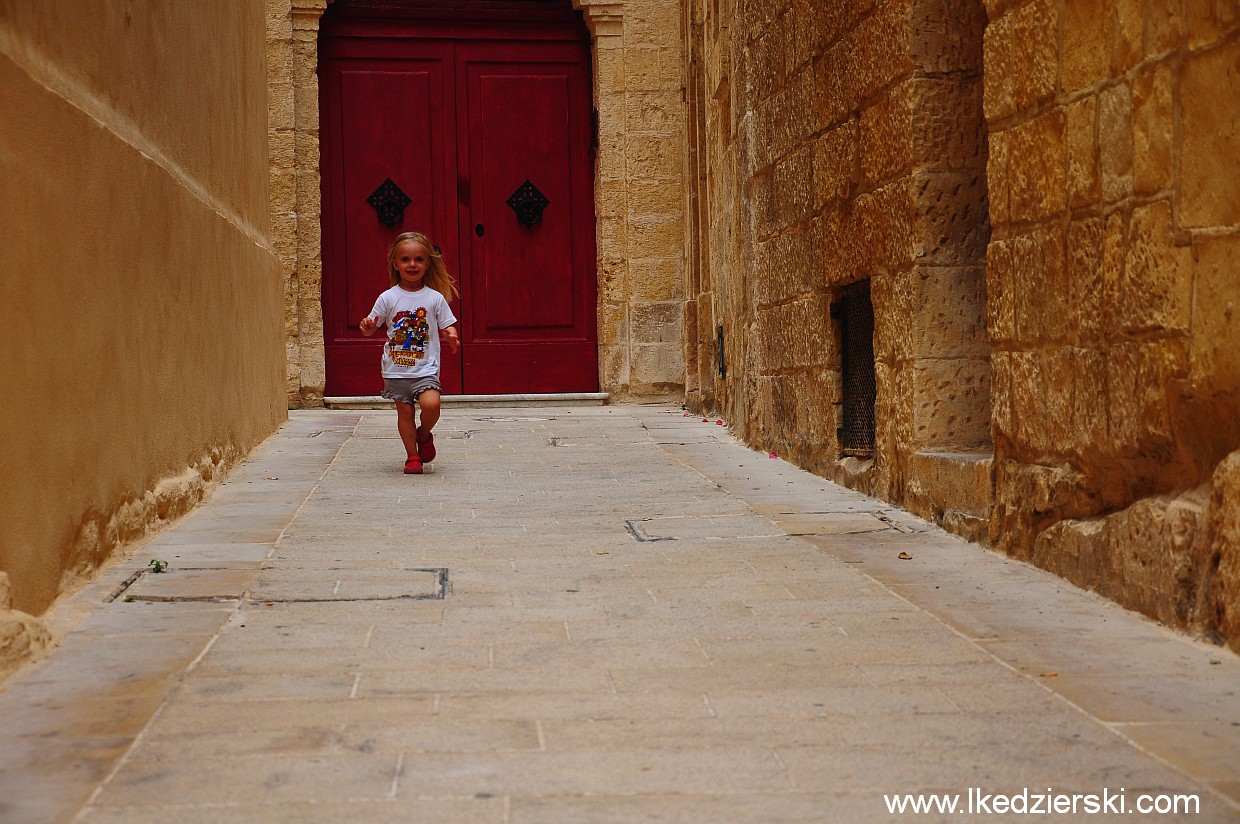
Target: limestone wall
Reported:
[(1043, 196), (1114, 279), (141, 298), (832, 144), (639, 194)]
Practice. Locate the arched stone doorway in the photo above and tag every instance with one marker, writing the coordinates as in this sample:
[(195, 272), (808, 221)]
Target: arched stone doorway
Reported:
[(638, 186)]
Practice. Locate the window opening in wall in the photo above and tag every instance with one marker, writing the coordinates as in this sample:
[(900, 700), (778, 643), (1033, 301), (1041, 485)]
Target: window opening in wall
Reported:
[(855, 314), (723, 364)]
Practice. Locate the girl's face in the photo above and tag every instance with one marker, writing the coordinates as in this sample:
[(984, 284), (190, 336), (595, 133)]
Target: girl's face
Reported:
[(411, 259)]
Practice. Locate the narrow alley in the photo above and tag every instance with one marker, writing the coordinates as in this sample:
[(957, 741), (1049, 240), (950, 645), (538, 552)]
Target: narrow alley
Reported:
[(590, 614)]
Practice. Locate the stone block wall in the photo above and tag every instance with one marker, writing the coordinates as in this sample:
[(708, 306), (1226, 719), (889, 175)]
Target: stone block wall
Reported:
[(293, 135), (1043, 195), (830, 144), (1113, 282), (639, 194)]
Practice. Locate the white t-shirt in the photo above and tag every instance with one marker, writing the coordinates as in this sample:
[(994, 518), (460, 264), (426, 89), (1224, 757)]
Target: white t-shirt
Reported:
[(413, 322)]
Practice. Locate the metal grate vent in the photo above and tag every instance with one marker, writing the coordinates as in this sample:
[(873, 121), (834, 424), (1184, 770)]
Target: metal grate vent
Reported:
[(855, 313)]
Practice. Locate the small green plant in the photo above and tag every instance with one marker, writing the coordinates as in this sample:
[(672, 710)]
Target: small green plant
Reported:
[(157, 565)]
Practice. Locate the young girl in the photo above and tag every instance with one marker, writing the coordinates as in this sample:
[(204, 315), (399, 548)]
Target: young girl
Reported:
[(417, 316)]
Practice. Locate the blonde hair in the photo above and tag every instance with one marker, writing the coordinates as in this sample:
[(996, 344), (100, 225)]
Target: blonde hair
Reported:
[(436, 277)]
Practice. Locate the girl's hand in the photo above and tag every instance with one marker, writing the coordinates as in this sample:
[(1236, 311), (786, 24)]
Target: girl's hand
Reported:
[(449, 338), (368, 325)]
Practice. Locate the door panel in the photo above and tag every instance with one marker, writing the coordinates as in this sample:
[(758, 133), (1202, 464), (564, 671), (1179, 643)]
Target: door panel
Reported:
[(524, 111), (381, 118), (527, 270), (459, 124)]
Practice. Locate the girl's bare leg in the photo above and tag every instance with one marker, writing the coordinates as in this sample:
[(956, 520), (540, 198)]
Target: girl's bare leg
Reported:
[(405, 426), (429, 402)]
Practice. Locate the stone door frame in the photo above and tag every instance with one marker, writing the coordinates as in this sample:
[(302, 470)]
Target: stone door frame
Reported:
[(641, 241)]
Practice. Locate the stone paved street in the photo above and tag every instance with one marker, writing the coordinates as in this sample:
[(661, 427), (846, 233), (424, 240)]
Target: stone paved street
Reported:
[(589, 615)]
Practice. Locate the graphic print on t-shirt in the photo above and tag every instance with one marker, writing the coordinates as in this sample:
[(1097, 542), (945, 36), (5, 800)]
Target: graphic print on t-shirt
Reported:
[(410, 334)]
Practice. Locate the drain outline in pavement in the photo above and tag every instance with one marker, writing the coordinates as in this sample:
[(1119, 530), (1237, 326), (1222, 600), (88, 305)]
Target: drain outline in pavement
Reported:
[(639, 535), (439, 593)]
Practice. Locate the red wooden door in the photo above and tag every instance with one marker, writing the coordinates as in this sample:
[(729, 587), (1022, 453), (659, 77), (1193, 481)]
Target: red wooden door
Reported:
[(523, 111), (458, 116), (383, 117)]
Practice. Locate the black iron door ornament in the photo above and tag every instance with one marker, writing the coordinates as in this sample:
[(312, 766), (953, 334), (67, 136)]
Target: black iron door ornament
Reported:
[(528, 203), (389, 202)]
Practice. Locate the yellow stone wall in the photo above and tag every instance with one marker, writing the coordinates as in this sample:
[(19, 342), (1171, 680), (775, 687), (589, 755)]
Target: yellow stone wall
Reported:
[(1114, 281), (829, 146), (1045, 198), (639, 191), (141, 297)]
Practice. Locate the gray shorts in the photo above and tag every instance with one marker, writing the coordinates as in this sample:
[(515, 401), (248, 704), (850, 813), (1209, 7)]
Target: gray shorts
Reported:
[(406, 390)]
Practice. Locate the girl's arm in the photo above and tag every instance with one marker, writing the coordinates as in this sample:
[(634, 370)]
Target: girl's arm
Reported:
[(370, 324), (448, 336)]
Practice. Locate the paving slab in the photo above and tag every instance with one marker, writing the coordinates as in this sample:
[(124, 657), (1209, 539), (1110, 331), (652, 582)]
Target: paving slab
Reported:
[(587, 614)]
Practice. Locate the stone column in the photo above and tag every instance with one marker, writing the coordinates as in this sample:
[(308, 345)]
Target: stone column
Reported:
[(308, 275), (639, 194)]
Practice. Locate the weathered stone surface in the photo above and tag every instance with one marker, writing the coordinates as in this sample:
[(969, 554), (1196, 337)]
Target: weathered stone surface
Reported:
[(656, 322), (951, 404), (1129, 21), (785, 267), (886, 137), (652, 363), (1156, 290), (1172, 558), (1001, 273), (21, 636), (1086, 43), (1222, 596), (1039, 290), (1084, 180), (946, 36), (1164, 28), (948, 131), (1216, 317), (954, 489), (881, 228), (952, 228), (1021, 64), (951, 305), (998, 176), (1210, 150), (1153, 124), (835, 165), (1037, 168), (1087, 428), (1115, 132), (794, 189), (1087, 295)]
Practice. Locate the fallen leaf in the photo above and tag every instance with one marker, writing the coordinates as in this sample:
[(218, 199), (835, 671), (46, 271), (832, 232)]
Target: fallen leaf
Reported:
[(904, 556)]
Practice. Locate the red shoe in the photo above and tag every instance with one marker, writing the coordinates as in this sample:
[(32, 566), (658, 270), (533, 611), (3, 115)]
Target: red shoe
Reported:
[(426, 448), (413, 465)]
